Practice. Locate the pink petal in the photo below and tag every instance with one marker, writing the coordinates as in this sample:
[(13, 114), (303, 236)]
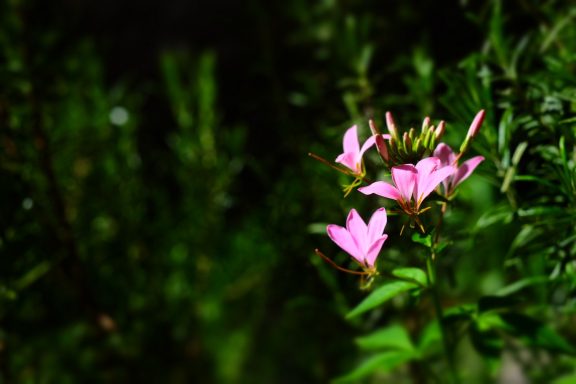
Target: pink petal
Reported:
[(344, 240), (427, 166), (374, 251), (348, 160), (445, 154), (429, 183), (367, 144), (405, 177), (358, 230), (350, 142), (466, 169), (377, 224), (447, 157), (381, 188)]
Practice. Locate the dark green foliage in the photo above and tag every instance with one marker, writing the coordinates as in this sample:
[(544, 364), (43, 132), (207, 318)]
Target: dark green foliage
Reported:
[(158, 212)]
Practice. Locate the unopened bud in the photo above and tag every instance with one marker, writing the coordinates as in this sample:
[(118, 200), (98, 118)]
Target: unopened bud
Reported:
[(432, 143), (425, 123), (427, 136), (391, 125), (412, 134), (440, 130), (380, 144), (407, 142), (476, 124), (417, 144)]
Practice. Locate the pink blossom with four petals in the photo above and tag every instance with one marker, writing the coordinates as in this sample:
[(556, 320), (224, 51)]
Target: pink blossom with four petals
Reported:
[(363, 242), (448, 158), (412, 183), (351, 158)]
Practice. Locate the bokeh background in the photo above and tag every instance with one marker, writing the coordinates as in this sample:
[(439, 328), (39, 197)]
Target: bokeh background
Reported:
[(159, 210)]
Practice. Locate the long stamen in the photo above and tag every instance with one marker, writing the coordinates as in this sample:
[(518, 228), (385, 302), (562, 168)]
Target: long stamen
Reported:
[(424, 210), (324, 161), (317, 251)]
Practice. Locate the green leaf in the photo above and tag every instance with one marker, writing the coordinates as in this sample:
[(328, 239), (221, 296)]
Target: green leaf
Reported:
[(536, 333), (489, 321), (527, 235), (382, 363), (542, 211), (486, 342), (431, 338), (394, 336), (425, 240), (498, 214), (521, 284), (567, 379), (415, 274), (381, 295)]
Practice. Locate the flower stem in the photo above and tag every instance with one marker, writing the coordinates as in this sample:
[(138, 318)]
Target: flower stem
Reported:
[(431, 275)]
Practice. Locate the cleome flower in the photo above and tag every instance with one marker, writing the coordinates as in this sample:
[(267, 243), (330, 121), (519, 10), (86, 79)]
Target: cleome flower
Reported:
[(362, 242), (412, 183), (351, 158), (448, 158)]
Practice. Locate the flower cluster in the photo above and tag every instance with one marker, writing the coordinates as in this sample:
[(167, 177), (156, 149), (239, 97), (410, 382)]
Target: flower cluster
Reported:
[(431, 167)]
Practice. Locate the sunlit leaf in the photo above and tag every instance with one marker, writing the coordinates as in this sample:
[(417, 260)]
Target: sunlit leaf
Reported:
[(381, 295), (425, 240), (392, 337), (381, 363), (415, 274)]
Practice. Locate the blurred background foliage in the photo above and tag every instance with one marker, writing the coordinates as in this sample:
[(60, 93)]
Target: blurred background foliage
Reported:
[(159, 211)]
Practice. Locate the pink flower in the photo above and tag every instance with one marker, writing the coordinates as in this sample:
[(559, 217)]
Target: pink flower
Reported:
[(448, 158), (363, 242), (352, 156), (412, 184)]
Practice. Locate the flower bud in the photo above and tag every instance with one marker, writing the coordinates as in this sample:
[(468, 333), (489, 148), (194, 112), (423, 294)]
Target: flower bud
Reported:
[(380, 144), (391, 125), (407, 142), (417, 145), (412, 134), (440, 130), (476, 124), (472, 131), (425, 123)]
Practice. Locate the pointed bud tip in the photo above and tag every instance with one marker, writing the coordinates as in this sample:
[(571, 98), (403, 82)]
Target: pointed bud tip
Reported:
[(373, 128), (440, 130), (390, 124), (476, 124), (425, 123)]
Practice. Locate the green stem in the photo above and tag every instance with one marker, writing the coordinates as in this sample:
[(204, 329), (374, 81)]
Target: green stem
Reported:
[(431, 274)]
